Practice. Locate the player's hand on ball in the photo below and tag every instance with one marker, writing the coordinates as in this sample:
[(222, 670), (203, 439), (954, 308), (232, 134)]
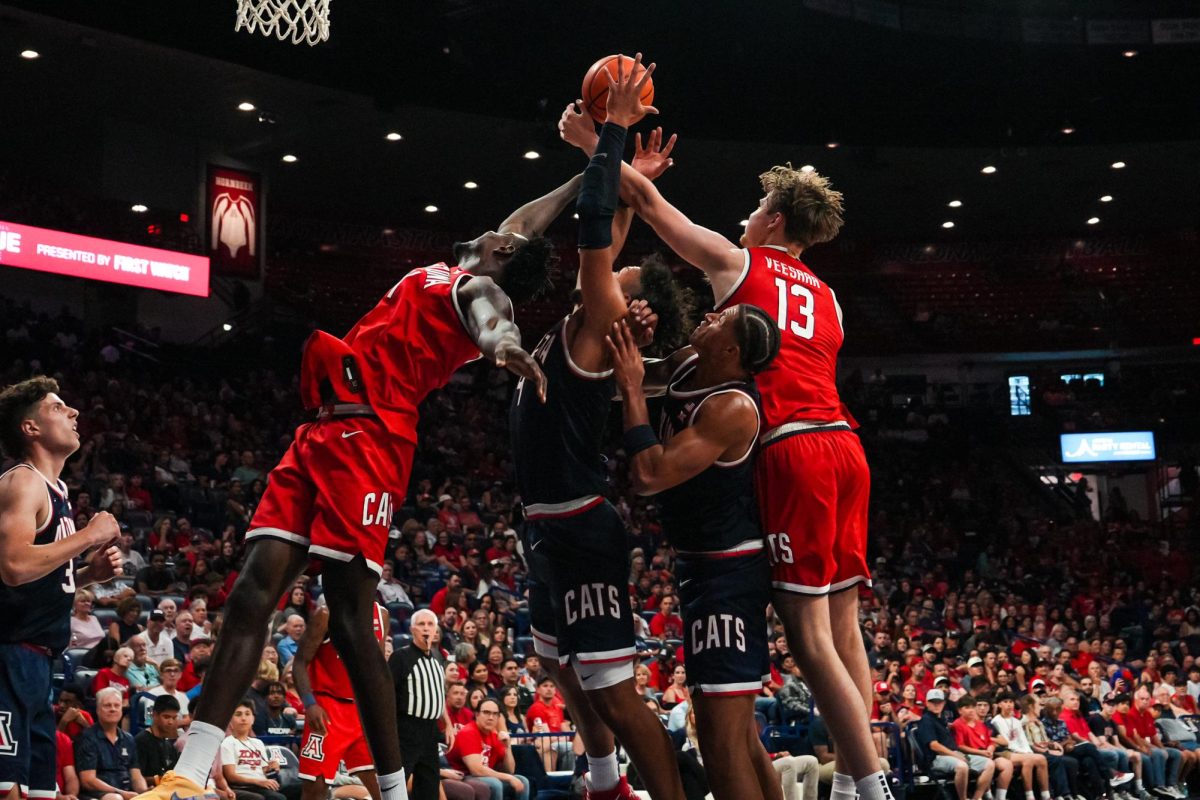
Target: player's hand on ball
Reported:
[(514, 359), (654, 159), (316, 719), (642, 321), (626, 359), (577, 128), (624, 94)]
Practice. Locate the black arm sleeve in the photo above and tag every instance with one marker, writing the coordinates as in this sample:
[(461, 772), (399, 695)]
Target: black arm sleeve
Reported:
[(598, 196)]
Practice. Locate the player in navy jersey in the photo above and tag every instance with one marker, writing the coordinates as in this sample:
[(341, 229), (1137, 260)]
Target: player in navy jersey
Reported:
[(700, 466), (38, 576), (575, 540)]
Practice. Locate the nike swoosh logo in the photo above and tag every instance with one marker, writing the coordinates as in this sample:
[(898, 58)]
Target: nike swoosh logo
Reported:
[(348, 434), (684, 582)]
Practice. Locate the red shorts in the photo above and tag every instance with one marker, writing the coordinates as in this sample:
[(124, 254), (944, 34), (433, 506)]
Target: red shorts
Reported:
[(335, 489), (813, 490), (343, 740)]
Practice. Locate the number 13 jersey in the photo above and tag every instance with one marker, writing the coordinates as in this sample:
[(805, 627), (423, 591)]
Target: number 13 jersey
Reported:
[(801, 383)]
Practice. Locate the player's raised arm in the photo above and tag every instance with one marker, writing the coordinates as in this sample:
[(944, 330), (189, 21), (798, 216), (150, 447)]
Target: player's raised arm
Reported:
[(22, 501), (489, 318), (727, 421), (314, 633), (532, 219)]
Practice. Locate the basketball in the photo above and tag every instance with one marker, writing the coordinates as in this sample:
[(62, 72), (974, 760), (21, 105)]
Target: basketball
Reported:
[(595, 85)]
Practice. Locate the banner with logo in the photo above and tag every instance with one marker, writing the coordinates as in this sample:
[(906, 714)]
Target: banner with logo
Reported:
[(234, 219), (27, 247), (1083, 448)]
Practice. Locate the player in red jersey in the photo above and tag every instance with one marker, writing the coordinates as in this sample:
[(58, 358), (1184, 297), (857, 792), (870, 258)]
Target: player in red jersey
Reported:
[(332, 732), (811, 478), (332, 494)]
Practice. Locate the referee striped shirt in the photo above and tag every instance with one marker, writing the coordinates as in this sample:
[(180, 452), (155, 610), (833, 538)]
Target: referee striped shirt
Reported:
[(420, 681)]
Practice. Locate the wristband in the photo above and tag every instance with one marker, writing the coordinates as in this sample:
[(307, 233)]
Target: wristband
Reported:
[(308, 700), (639, 438), (599, 193)]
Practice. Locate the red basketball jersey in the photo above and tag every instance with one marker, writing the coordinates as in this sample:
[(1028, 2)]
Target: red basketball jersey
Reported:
[(327, 672), (411, 342), (800, 384)]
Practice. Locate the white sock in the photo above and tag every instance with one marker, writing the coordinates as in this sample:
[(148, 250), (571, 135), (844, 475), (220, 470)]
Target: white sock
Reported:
[(873, 787), (1045, 795), (602, 772), (1137, 784), (1001, 794), (843, 787), (200, 751), (393, 786), (1029, 794)]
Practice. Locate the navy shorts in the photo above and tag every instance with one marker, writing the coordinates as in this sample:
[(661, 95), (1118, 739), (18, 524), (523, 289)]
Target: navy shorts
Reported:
[(579, 587), (27, 730), (724, 605)]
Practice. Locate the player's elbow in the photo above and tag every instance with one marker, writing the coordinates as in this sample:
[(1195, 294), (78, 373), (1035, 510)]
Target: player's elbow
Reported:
[(644, 481), (13, 572)]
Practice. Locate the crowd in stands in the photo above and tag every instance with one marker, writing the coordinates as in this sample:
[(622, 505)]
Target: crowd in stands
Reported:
[(986, 606)]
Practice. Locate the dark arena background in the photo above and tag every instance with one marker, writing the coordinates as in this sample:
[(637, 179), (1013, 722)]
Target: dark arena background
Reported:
[(181, 205)]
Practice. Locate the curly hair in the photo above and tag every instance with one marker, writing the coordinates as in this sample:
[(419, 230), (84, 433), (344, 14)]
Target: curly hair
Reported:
[(17, 403), (757, 337), (812, 210), (673, 303), (527, 272)]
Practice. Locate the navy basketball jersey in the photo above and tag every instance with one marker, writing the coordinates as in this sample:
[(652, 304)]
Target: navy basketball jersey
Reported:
[(40, 612), (556, 444), (714, 511)]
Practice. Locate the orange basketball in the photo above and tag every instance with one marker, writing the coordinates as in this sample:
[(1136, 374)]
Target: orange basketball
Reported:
[(595, 85)]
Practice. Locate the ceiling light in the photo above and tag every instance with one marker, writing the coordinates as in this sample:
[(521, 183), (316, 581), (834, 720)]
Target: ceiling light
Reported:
[(389, 231), (1068, 130), (470, 185), (955, 204), (1118, 165), (1093, 220), (227, 327), (532, 155), (744, 223), (393, 137), (947, 224), (138, 208), (1129, 53), (431, 209), (575, 216), (808, 168), (988, 170), (290, 159), (1106, 198), (30, 55), (832, 145), (245, 106)]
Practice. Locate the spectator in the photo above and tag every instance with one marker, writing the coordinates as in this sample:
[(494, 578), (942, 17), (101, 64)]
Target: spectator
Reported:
[(156, 744), (794, 770), (439, 602), (72, 718), (66, 777), (157, 579), (115, 676), (974, 738), (510, 703), (246, 472), (677, 692), (182, 640), (245, 761), (294, 632), (277, 718), (943, 758), (456, 707), (159, 647), (391, 591), (142, 674), (482, 752), (1064, 770), (1175, 734), (1104, 731), (125, 626), (1077, 747), (86, 630), (170, 671), (1011, 734), (1136, 728), (545, 715), (666, 624), (510, 675), (1075, 720), (106, 756), (199, 654)]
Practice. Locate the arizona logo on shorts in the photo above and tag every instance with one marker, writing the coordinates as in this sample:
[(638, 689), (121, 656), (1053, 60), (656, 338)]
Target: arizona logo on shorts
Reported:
[(8, 745), (314, 748)]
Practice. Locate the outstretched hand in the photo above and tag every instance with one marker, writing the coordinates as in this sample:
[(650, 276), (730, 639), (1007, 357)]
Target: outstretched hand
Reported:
[(514, 359), (643, 322), (653, 159), (625, 93), (628, 369), (575, 127)]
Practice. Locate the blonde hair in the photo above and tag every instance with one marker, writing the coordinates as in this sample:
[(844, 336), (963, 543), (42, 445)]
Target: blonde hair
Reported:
[(811, 209), (267, 671)]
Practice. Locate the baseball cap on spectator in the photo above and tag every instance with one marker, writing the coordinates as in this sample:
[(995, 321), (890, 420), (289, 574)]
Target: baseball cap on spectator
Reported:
[(953, 633), (444, 498), (941, 679), (975, 661), (935, 696), (202, 640), (982, 623), (1109, 699), (158, 616), (882, 687), (473, 552), (1038, 683), (926, 648)]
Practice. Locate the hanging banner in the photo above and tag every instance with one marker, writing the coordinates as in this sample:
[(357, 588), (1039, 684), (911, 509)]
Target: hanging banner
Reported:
[(234, 217)]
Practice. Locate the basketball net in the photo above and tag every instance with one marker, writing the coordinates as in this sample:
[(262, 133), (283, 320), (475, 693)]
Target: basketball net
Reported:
[(297, 21)]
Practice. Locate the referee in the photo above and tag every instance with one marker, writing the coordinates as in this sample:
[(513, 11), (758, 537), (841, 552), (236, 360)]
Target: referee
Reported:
[(420, 680)]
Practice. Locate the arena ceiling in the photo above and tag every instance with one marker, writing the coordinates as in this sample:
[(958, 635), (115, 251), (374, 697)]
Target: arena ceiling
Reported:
[(473, 84)]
